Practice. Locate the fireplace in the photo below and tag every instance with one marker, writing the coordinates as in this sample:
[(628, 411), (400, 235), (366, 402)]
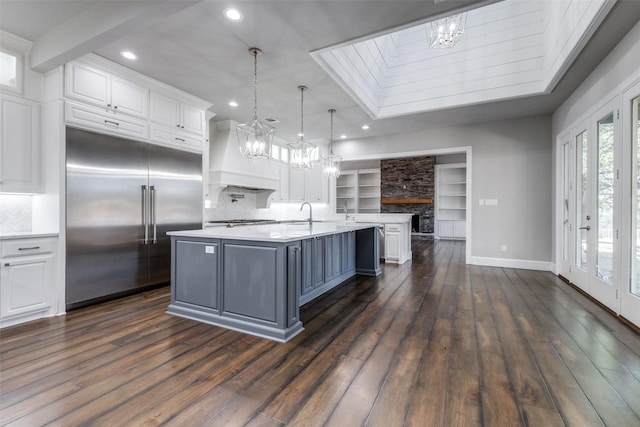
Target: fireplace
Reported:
[(421, 222)]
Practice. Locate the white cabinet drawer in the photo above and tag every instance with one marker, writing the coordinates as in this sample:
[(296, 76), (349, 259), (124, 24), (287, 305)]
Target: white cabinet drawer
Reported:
[(164, 136), (98, 119), (24, 247), (392, 228)]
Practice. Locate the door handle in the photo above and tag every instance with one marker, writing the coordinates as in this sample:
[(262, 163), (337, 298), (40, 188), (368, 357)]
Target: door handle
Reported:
[(145, 222), (587, 227), (152, 204)]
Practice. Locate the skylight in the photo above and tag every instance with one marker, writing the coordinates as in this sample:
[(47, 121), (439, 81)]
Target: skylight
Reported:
[(509, 49)]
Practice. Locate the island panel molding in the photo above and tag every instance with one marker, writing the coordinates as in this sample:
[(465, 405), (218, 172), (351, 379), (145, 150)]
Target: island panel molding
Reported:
[(256, 282)]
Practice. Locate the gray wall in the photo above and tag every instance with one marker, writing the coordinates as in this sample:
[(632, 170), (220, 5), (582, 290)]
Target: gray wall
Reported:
[(600, 86), (511, 162), (612, 75)]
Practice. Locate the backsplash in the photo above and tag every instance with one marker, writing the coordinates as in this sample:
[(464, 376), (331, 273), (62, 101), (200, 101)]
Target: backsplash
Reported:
[(245, 208), (15, 213)]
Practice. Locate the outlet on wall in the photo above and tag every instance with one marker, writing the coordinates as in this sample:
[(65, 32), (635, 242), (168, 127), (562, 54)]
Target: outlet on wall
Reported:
[(503, 248)]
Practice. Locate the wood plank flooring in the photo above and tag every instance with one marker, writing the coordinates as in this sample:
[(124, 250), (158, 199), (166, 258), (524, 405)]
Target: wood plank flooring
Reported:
[(433, 342)]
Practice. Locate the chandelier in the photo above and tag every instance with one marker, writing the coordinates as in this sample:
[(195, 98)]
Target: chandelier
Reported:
[(331, 162), (255, 137), (302, 154), (446, 32)]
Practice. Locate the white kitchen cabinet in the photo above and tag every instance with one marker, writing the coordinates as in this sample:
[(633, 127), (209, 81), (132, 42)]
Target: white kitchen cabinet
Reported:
[(95, 118), (305, 184), (19, 145), (175, 114), (396, 245), (451, 201), (27, 272), (92, 85), (164, 136)]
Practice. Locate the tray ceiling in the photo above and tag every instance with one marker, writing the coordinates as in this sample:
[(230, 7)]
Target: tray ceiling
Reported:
[(509, 49)]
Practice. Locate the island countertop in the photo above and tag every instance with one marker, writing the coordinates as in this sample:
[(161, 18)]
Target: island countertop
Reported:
[(279, 232)]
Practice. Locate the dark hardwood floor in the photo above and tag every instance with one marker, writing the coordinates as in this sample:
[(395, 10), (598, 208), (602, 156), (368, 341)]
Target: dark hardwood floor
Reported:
[(431, 342)]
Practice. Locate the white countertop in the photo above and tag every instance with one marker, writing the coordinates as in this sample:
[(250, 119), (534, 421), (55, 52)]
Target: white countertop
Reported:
[(25, 235), (288, 232)]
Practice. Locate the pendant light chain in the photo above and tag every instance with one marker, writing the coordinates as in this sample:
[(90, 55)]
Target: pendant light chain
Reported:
[(331, 134), (302, 111), (255, 83)]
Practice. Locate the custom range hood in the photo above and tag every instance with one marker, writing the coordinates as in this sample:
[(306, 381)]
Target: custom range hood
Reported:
[(227, 167)]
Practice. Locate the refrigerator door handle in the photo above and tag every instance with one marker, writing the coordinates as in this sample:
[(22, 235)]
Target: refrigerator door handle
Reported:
[(152, 204), (145, 222)]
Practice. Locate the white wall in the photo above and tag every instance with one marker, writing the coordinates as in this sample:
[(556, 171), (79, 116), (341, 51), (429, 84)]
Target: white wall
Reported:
[(511, 162)]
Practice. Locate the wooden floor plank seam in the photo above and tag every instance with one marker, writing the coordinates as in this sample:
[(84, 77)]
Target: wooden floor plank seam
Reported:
[(432, 341)]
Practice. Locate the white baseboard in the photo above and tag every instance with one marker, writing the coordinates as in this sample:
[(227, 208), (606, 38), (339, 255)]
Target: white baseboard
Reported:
[(513, 263)]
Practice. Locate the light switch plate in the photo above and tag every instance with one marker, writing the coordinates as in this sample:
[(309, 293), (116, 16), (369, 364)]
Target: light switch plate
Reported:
[(491, 202), (209, 249)]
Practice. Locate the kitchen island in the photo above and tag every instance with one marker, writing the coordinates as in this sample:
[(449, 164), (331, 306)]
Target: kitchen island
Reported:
[(255, 278)]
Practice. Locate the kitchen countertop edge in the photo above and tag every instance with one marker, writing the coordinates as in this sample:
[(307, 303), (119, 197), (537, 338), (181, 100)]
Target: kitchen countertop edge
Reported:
[(26, 235), (281, 233)]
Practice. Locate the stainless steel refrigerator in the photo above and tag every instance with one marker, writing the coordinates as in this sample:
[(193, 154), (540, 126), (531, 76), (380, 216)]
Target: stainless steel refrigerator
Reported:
[(122, 198)]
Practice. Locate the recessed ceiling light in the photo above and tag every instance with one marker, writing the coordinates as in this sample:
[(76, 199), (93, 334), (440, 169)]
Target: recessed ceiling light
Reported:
[(343, 136), (233, 104), (233, 14), (128, 54), (365, 127)]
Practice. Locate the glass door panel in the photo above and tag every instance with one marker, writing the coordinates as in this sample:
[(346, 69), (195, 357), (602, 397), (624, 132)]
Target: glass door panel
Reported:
[(634, 283), (630, 223), (582, 200), (605, 200), (566, 186), (603, 254)]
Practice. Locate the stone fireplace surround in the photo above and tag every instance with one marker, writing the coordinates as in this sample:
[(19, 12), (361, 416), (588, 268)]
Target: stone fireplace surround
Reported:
[(409, 178)]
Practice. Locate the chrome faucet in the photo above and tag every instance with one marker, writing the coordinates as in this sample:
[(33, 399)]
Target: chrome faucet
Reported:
[(346, 213), (310, 211)]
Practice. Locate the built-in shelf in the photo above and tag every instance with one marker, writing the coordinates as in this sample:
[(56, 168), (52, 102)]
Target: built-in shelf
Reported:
[(451, 201), (359, 190)]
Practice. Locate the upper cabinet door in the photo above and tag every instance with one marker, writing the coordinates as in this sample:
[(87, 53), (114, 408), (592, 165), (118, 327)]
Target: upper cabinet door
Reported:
[(165, 110), (192, 119), (19, 145), (129, 98), (87, 84), (173, 113), (97, 87)]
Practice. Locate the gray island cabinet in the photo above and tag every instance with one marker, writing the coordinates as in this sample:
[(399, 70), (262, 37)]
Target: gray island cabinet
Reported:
[(254, 279)]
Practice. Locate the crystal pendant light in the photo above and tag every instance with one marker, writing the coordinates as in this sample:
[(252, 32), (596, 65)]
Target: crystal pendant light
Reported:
[(446, 32), (302, 154), (331, 162), (255, 138)]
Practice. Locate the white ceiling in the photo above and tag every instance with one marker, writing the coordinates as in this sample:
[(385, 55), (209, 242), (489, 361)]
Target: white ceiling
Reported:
[(189, 45), (509, 49)]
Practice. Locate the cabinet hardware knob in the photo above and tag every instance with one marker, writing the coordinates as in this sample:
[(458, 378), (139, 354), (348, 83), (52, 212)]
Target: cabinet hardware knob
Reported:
[(182, 127), (178, 125), (109, 122), (116, 107)]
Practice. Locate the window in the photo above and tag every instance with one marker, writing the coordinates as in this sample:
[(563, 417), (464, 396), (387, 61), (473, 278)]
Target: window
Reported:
[(10, 70)]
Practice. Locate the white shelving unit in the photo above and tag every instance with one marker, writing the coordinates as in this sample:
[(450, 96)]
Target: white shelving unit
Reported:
[(360, 190), (451, 201)]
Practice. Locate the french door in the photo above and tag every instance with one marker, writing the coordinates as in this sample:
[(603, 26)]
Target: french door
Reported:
[(590, 256), (630, 294)]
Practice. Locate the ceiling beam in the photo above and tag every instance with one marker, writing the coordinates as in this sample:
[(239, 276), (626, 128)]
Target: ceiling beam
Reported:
[(98, 26)]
